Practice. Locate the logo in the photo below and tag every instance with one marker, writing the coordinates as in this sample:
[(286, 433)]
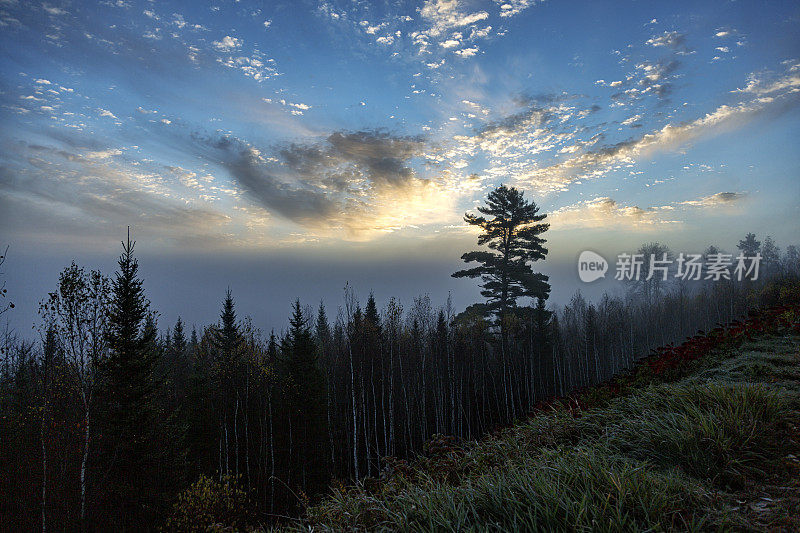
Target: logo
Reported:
[(591, 266)]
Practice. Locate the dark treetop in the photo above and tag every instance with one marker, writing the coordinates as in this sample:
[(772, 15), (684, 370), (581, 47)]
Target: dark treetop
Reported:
[(513, 234)]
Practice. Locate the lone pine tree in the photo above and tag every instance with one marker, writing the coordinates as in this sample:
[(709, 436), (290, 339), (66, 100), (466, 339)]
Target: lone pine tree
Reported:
[(513, 234)]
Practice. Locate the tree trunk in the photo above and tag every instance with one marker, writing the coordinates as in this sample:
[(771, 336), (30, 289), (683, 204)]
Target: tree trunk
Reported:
[(84, 461)]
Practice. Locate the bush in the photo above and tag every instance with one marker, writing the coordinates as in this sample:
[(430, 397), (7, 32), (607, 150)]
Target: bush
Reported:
[(211, 505)]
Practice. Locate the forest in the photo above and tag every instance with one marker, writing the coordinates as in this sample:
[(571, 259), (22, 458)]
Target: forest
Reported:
[(113, 420)]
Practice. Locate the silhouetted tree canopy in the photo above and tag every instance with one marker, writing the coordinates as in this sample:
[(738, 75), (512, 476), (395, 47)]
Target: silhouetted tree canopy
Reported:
[(512, 232)]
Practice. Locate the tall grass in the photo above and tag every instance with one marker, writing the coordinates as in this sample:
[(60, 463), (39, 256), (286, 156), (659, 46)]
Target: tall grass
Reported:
[(563, 489), (721, 433)]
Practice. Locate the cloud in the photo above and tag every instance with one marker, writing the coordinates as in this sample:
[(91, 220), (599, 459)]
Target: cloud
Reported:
[(53, 10), (106, 113), (632, 120), (227, 44), (670, 39), (767, 83), (63, 193), (467, 52), (537, 128), (256, 65), (653, 76), (353, 184), (715, 200), (605, 212), (445, 15), (510, 8), (445, 22), (598, 162)]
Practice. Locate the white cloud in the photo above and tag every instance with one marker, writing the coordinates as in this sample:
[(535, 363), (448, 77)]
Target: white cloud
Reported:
[(670, 39), (509, 8), (767, 84), (467, 52), (53, 10), (445, 15), (715, 200), (632, 120), (106, 113), (227, 44), (605, 212)]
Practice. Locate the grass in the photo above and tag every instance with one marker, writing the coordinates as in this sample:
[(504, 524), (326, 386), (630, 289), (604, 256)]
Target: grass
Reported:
[(714, 449)]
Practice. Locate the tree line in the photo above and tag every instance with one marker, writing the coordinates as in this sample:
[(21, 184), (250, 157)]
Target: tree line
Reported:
[(107, 417)]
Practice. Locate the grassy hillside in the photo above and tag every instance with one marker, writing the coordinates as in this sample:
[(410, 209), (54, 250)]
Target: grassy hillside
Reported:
[(701, 436)]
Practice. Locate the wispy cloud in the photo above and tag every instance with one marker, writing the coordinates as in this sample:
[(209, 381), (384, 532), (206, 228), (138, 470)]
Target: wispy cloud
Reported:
[(670, 39), (61, 193), (605, 212), (598, 162), (718, 199)]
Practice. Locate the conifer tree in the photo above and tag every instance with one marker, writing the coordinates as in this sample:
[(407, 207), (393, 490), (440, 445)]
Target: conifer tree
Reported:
[(749, 246), (228, 334), (513, 233), (193, 342), (322, 325), (134, 433), (228, 370), (306, 402)]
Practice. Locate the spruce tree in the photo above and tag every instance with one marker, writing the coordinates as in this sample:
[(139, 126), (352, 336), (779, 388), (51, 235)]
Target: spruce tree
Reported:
[(323, 327), (306, 403), (193, 342), (749, 246), (133, 433), (179, 338), (228, 376), (228, 334), (371, 313)]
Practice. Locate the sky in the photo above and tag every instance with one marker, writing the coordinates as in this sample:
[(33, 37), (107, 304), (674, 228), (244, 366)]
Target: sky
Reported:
[(285, 149)]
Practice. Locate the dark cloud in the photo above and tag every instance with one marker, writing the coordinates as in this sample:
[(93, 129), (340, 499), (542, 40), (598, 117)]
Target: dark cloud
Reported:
[(382, 156), (330, 183), (308, 206), (531, 117)]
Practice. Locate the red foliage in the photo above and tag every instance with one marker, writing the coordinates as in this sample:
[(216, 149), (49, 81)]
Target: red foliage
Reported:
[(770, 319)]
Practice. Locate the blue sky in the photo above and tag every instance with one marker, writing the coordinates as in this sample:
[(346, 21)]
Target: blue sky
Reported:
[(314, 143)]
